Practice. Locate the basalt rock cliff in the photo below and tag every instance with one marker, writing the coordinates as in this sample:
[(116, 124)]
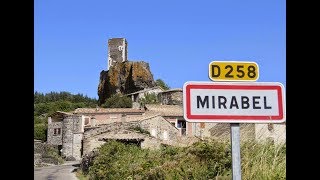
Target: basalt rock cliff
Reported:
[(124, 78)]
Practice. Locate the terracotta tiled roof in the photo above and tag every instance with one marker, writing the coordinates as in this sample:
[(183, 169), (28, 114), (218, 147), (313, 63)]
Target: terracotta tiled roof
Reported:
[(108, 110), (146, 115), (60, 114), (165, 110)]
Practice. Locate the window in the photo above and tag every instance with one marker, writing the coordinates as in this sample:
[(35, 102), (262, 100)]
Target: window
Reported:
[(56, 131), (181, 124), (86, 121)]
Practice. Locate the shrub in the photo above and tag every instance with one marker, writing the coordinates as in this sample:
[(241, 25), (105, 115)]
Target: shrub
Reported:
[(217, 156), (202, 160), (40, 132), (52, 154), (149, 98), (118, 101), (39, 120), (120, 161)]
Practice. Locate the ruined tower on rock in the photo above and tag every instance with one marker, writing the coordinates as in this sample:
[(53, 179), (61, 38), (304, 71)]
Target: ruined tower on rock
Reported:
[(123, 76), (117, 51)]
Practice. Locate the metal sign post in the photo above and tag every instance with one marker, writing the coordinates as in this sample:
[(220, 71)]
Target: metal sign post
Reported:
[(235, 151)]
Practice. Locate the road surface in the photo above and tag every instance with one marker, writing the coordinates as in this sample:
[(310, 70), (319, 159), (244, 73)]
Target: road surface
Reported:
[(58, 172)]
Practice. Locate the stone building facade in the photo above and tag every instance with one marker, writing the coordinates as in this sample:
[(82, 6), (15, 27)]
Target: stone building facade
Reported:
[(66, 131), (275, 133), (138, 95), (117, 51), (160, 128), (160, 131), (84, 129), (100, 116), (171, 97), (173, 114)]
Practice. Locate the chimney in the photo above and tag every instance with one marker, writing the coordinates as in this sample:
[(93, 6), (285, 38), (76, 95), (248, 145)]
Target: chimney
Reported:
[(49, 120)]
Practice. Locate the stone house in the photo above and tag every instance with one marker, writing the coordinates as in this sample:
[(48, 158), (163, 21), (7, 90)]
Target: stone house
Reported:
[(65, 130), (160, 128), (171, 97), (174, 114), (87, 128), (160, 132), (171, 113), (248, 131)]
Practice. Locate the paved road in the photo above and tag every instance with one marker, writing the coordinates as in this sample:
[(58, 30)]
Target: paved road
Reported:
[(59, 172)]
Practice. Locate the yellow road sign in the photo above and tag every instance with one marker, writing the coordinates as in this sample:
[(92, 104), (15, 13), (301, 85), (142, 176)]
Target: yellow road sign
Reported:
[(233, 71)]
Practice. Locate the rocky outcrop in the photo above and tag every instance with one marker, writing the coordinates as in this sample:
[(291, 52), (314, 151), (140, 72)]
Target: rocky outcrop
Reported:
[(124, 77)]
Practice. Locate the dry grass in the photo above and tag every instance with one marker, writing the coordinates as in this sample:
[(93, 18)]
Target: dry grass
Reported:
[(263, 161)]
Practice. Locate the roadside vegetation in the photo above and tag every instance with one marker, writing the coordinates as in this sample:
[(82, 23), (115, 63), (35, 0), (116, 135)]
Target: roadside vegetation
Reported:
[(202, 160)]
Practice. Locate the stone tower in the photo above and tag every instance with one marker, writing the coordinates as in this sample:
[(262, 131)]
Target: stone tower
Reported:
[(117, 51)]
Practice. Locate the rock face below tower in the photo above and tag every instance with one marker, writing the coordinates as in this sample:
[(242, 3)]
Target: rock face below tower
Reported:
[(124, 77)]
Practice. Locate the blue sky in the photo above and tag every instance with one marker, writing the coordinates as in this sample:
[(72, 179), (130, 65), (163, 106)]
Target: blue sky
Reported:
[(177, 38)]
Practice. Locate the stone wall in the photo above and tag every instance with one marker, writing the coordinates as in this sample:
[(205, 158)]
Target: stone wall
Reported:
[(141, 94), (97, 140), (170, 97), (51, 138), (101, 119), (71, 129), (107, 128), (91, 136), (90, 144), (273, 132), (43, 153), (201, 130), (160, 128), (77, 145), (117, 51), (164, 133), (222, 131)]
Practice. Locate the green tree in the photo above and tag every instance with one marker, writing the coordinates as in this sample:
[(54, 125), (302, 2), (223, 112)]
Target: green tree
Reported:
[(149, 98), (162, 84), (40, 131), (118, 101)]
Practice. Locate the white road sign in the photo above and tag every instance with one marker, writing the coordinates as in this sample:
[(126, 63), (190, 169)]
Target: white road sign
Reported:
[(234, 102)]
